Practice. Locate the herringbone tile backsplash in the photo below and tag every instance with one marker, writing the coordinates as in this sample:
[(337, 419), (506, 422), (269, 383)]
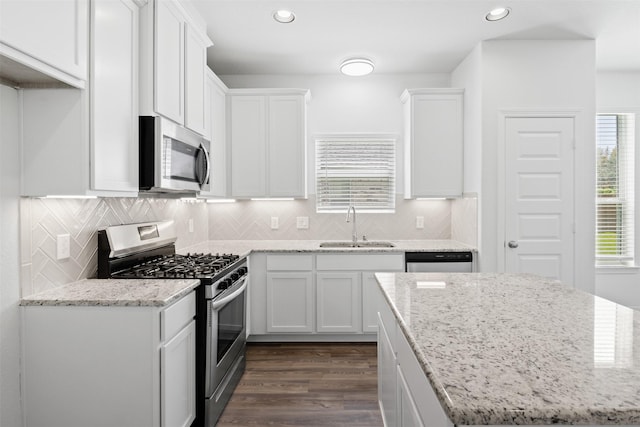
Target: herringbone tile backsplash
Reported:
[(43, 219), (252, 220)]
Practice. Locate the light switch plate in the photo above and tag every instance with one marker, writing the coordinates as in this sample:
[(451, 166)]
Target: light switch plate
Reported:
[(420, 222), (63, 246), (302, 222), (190, 225), (274, 223)]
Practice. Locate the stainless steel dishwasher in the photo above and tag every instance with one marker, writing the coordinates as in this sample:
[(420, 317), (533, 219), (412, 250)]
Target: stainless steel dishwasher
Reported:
[(442, 262)]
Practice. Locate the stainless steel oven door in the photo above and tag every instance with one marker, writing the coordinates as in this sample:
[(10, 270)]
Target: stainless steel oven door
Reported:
[(226, 334)]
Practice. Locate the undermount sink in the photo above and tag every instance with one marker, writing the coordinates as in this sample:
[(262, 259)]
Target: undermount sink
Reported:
[(363, 244)]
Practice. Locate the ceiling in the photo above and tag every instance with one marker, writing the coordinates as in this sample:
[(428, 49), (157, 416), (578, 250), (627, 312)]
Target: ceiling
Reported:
[(405, 36)]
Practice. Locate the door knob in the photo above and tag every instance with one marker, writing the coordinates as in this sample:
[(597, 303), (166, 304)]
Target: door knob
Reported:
[(513, 244)]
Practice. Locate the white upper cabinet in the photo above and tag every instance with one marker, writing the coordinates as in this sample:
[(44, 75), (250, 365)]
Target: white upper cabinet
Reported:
[(433, 142), (195, 72), (267, 134), (169, 60), (49, 37), (215, 131), (114, 96), (85, 142), (173, 63)]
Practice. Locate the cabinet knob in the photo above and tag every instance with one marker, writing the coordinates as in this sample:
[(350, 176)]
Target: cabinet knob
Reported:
[(513, 244)]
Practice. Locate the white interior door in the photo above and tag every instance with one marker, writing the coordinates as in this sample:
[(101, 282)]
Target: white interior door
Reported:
[(539, 184)]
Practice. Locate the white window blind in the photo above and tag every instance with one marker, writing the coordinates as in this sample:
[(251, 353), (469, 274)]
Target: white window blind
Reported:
[(355, 171), (614, 189)]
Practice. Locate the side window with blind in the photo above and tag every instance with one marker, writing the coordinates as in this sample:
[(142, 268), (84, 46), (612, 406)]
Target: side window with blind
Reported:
[(353, 171), (615, 142)]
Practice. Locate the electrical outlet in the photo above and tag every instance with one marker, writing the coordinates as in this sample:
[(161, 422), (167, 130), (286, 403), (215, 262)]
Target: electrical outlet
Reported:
[(302, 222), (420, 222), (190, 225), (274, 223), (63, 246)]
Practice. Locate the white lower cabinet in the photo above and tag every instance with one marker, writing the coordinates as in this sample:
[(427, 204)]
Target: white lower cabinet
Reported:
[(289, 302), (97, 366), (177, 378), (369, 303), (316, 296), (338, 302), (405, 396), (387, 373), (407, 410)]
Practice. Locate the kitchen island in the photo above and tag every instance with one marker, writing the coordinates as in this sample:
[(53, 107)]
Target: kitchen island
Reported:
[(504, 349)]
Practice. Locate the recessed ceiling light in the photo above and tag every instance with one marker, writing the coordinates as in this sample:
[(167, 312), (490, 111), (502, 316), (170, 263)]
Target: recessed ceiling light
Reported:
[(498, 14), (284, 16), (356, 67)]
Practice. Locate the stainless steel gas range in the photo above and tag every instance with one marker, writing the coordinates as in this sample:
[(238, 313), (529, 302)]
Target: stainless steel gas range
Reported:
[(147, 251)]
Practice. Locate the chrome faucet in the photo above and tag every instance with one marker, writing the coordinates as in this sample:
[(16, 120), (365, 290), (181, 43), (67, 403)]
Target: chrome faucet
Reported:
[(354, 234)]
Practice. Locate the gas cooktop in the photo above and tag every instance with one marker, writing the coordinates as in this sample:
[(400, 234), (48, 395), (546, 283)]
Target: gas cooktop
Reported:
[(174, 266)]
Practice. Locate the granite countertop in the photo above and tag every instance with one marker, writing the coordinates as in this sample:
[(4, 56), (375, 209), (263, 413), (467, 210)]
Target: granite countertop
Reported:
[(114, 292), (519, 349), (244, 247)]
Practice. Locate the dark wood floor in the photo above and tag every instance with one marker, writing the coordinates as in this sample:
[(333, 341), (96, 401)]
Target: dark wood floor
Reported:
[(308, 384)]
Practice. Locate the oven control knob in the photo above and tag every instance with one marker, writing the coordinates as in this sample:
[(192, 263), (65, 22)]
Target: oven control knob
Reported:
[(234, 276), (242, 271)]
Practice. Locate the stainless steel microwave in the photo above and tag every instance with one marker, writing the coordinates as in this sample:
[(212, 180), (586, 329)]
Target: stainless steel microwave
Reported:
[(173, 159)]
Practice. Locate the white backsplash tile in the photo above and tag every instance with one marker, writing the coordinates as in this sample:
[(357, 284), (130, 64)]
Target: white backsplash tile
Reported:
[(464, 220), (250, 220), (43, 219)]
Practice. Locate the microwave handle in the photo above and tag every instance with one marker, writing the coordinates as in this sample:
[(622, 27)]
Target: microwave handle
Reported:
[(207, 165)]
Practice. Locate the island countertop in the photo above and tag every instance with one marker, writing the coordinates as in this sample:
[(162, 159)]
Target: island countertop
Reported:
[(519, 349), (114, 292)]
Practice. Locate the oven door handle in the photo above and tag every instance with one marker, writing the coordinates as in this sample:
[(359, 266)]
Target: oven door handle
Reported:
[(219, 303)]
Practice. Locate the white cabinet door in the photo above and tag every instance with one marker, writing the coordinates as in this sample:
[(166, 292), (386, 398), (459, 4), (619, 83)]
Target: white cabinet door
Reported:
[(387, 371), (177, 383), (287, 146), (267, 135), (433, 142), (215, 131), (369, 302), (407, 411), (248, 146), (169, 61), (195, 68), (114, 95), (289, 302), (338, 302), (49, 36)]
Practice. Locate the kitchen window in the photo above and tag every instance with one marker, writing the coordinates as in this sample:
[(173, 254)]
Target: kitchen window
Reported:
[(615, 142), (355, 171)]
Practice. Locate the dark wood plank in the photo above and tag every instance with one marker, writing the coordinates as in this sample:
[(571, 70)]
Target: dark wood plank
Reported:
[(306, 384)]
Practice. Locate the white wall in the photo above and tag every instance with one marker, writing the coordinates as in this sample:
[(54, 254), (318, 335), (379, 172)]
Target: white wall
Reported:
[(620, 91), (10, 403), (533, 76)]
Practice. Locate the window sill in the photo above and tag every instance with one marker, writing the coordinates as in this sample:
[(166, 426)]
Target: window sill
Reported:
[(617, 269)]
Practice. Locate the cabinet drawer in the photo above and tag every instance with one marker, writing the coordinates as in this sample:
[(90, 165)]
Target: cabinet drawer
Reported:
[(176, 316), (371, 262), (289, 262)]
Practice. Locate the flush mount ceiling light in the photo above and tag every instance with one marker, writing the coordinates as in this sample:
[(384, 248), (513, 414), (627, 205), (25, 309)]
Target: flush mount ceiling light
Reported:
[(356, 67), (498, 14), (284, 16)]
